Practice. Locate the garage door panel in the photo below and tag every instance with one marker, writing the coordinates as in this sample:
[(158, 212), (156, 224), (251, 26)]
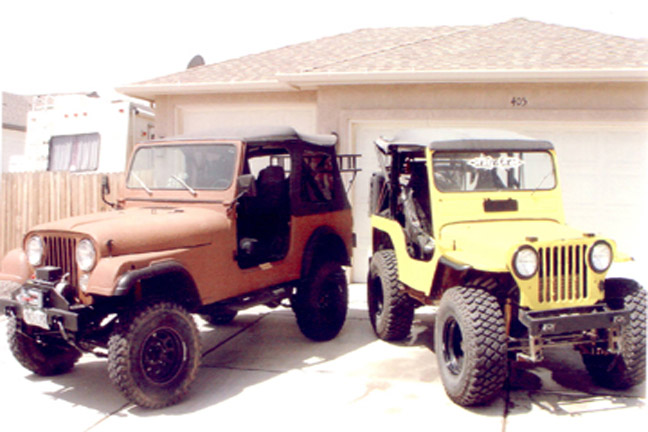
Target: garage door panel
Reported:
[(603, 172), (363, 136)]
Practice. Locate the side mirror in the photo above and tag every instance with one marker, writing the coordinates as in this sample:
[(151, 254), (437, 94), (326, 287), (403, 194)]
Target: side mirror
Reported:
[(105, 185), (105, 190), (246, 185)]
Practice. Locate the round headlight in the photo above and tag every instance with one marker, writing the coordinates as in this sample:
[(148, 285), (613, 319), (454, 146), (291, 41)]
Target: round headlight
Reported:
[(35, 251), (86, 255), (600, 256), (525, 262)]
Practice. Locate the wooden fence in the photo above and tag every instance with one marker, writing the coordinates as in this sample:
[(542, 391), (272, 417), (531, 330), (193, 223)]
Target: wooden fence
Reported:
[(29, 199)]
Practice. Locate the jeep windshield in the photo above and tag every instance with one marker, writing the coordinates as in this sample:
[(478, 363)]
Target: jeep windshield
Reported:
[(493, 171), (182, 167)]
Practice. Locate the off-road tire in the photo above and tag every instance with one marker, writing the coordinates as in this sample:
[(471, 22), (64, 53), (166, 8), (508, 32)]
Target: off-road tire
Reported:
[(321, 302), (470, 346), (154, 354), (391, 311), (45, 359), (628, 368)]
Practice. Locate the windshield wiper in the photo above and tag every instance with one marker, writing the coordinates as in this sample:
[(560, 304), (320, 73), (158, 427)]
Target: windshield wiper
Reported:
[(191, 190), (141, 182), (537, 188)]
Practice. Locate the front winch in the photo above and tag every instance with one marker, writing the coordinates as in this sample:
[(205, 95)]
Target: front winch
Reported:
[(44, 300)]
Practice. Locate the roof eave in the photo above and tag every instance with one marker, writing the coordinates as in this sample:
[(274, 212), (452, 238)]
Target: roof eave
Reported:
[(313, 80), (316, 79), (150, 91)]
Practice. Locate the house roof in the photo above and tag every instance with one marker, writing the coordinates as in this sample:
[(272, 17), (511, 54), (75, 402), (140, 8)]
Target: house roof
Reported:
[(516, 50), (14, 111)]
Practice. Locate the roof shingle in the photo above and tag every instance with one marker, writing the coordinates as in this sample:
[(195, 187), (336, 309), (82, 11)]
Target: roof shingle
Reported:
[(518, 44)]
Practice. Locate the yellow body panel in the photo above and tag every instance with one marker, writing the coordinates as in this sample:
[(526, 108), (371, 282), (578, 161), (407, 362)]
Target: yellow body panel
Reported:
[(413, 273), (466, 234), (458, 207)]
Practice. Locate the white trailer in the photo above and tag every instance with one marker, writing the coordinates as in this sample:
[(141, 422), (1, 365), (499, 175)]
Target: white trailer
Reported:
[(82, 133)]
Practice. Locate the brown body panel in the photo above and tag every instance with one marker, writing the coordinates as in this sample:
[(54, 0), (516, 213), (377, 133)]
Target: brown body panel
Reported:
[(196, 229)]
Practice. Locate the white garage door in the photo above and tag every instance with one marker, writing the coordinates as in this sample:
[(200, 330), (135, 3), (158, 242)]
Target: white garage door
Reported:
[(603, 171), (202, 119)]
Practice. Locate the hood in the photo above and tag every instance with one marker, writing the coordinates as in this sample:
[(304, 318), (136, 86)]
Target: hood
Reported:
[(489, 245), (144, 229)]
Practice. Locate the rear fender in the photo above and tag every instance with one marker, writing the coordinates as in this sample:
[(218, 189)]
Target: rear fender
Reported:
[(414, 273), (324, 245)]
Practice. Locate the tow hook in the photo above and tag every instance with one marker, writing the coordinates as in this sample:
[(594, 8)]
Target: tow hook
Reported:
[(10, 312), (58, 321), (66, 337), (535, 351), (615, 340)]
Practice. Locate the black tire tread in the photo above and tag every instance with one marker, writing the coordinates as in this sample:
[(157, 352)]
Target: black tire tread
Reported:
[(485, 351), (119, 361), (395, 321), (314, 323), (629, 367), (43, 360)]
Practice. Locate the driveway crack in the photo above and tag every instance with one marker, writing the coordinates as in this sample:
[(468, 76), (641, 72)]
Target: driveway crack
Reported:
[(224, 341), (107, 416)]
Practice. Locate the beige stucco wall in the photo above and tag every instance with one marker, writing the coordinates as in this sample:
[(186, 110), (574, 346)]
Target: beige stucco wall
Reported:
[(338, 107), (170, 109)]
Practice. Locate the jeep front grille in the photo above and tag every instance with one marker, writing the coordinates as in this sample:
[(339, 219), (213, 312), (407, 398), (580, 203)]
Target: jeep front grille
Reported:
[(60, 252), (562, 274)]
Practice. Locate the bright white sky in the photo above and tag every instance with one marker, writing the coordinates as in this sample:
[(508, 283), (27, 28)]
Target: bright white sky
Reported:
[(82, 46)]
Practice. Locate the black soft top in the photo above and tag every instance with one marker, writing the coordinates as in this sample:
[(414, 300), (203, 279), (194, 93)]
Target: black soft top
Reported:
[(461, 140), (258, 134)]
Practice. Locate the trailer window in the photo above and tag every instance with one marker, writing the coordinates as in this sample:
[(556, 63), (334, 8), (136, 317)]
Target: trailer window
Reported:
[(74, 152)]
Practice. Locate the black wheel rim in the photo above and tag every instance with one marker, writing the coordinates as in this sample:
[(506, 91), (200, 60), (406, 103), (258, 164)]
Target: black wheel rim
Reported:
[(453, 354), (377, 298), (162, 355), (329, 296)]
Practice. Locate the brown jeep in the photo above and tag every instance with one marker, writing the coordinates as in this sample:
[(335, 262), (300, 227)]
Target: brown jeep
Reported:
[(204, 225)]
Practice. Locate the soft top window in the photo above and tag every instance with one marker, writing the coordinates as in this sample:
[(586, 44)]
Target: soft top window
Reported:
[(177, 167), (493, 170)]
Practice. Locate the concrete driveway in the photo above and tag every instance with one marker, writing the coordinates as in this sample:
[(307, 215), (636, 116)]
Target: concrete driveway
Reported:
[(260, 373)]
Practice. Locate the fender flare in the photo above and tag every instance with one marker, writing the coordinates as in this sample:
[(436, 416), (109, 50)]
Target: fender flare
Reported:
[(324, 238), (460, 267), (14, 266), (127, 282)]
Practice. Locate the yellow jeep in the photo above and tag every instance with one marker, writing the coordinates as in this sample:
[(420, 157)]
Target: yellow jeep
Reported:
[(472, 221)]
